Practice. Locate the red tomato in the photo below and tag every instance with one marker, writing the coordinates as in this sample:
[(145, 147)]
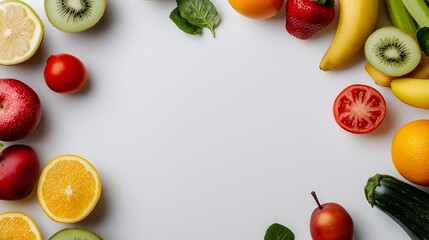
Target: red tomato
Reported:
[(359, 109), (65, 73)]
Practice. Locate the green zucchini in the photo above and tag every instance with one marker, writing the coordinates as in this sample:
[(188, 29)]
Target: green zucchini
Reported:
[(404, 203)]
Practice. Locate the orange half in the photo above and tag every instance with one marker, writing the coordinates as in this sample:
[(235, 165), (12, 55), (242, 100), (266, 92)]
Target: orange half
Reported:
[(18, 226), (69, 188)]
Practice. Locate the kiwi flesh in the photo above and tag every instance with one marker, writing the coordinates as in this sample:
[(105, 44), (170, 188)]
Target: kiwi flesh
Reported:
[(75, 234), (74, 15), (392, 51)]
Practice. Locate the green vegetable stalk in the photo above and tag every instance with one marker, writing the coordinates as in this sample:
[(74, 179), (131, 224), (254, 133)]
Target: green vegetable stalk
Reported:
[(419, 10), (400, 17)]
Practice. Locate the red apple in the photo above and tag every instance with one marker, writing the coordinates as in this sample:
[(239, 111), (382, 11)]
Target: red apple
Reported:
[(330, 221), (19, 170), (20, 110)]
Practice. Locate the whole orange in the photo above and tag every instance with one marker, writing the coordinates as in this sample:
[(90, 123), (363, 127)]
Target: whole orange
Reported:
[(257, 9), (410, 151)]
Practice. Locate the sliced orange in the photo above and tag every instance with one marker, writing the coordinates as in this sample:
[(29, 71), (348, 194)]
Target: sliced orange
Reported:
[(18, 226), (69, 188)]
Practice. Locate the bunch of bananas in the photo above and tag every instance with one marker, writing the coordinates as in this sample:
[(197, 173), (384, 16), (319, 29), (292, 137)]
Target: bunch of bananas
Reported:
[(412, 88), (357, 21)]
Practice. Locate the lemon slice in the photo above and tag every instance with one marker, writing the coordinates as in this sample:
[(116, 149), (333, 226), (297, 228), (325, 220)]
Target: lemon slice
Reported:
[(69, 188), (21, 32), (18, 225)]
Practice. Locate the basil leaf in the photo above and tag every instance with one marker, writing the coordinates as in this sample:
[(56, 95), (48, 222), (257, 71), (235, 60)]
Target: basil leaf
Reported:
[(279, 232), (199, 12), (423, 38), (184, 24)]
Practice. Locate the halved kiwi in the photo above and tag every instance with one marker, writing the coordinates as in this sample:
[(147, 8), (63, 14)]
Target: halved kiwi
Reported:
[(75, 234), (74, 15), (392, 51)]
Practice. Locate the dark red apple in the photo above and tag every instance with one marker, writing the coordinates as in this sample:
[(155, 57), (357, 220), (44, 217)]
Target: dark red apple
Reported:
[(19, 170), (330, 221), (20, 110)]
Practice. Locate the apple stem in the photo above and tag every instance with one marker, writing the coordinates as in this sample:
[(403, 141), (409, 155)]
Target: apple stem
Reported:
[(313, 193)]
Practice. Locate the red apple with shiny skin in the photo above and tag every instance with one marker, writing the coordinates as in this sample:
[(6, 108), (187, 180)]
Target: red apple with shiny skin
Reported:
[(19, 170), (330, 221), (20, 110)]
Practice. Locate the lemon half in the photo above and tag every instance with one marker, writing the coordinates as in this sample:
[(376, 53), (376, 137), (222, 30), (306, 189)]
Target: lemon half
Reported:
[(21, 32)]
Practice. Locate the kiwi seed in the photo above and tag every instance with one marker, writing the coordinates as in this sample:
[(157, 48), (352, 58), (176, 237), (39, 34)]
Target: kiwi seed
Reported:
[(73, 14), (392, 51)]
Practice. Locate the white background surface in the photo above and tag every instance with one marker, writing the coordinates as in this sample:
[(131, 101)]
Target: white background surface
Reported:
[(201, 138)]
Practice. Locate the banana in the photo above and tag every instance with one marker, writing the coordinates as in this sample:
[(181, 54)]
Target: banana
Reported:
[(422, 70), (381, 79), (412, 91), (356, 21)]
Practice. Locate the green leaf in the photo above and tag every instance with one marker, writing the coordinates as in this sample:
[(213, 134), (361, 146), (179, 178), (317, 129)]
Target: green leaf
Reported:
[(184, 24), (423, 38), (279, 232), (199, 12)]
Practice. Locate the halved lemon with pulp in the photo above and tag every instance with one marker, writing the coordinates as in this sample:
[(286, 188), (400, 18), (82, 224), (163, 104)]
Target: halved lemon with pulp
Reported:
[(21, 32), (18, 226), (69, 188)]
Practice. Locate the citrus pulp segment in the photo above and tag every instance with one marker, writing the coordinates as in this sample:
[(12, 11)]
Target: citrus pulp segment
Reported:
[(69, 188), (18, 226), (21, 32)]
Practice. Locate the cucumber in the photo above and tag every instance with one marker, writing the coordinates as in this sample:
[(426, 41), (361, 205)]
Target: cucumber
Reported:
[(405, 204), (75, 234)]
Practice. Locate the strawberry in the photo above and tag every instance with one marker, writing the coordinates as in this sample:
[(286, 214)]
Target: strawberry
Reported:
[(306, 17)]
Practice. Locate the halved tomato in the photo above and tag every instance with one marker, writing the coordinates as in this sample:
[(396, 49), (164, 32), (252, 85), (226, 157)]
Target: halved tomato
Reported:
[(359, 109)]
